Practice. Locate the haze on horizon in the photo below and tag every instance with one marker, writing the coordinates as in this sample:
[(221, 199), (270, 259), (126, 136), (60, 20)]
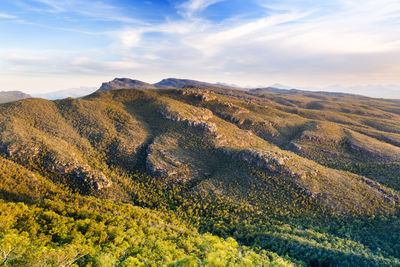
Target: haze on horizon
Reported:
[(341, 45)]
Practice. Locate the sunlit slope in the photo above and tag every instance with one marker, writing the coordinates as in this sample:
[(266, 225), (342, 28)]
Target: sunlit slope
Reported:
[(80, 140), (352, 133), (72, 139)]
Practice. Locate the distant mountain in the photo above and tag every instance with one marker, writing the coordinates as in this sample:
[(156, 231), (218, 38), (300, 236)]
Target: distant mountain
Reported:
[(390, 92), (301, 92), (380, 91), (8, 96), (275, 90), (72, 92), (180, 83), (125, 83)]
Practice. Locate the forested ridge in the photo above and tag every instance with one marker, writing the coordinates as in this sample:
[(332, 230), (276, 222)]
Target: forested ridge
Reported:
[(200, 176)]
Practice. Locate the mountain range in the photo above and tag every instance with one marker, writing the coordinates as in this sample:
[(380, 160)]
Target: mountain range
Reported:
[(186, 173), (126, 83), (8, 96), (71, 92)]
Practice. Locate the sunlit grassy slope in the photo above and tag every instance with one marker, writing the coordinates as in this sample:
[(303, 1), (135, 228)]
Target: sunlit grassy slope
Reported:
[(312, 177)]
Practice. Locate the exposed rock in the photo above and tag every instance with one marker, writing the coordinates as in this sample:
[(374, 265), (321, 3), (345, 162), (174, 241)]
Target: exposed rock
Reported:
[(361, 149), (272, 161), (202, 95), (96, 180), (83, 172), (18, 151), (388, 196), (166, 164), (201, 122)]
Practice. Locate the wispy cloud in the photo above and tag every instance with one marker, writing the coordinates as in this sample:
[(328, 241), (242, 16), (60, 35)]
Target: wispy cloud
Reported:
[(191, 7), (98, 10), (7, 16)]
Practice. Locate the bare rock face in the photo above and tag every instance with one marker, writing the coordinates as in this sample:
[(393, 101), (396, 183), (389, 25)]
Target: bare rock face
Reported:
[(261, 159), (83, 173), (19, 151), (165, 164), (167, 159), (200, 123), (202, 95)]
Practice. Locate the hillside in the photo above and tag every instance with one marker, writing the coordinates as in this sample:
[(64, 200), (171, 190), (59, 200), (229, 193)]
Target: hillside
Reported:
[(8, 96), (216, 175)]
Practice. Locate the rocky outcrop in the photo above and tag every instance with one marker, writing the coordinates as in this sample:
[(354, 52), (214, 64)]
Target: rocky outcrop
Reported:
[(82, 173), (360, 149), (388, 196), (201, 122), (19, 151), (168, 160), (201, 95), (53, 163), (166, 164), (273, 161)]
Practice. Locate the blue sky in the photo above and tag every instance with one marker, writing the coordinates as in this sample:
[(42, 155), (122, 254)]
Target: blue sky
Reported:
[(353, 45)]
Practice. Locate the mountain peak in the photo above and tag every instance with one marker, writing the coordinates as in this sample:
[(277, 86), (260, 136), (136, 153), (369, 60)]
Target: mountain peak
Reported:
[(125, 83)]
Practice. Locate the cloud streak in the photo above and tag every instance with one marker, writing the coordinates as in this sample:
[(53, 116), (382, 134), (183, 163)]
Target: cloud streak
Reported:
[(98, 10), (7, 16)]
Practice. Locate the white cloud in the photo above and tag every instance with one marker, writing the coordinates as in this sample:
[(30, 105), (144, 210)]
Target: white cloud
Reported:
[(129, 38), (191, 7), (212, 42)]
